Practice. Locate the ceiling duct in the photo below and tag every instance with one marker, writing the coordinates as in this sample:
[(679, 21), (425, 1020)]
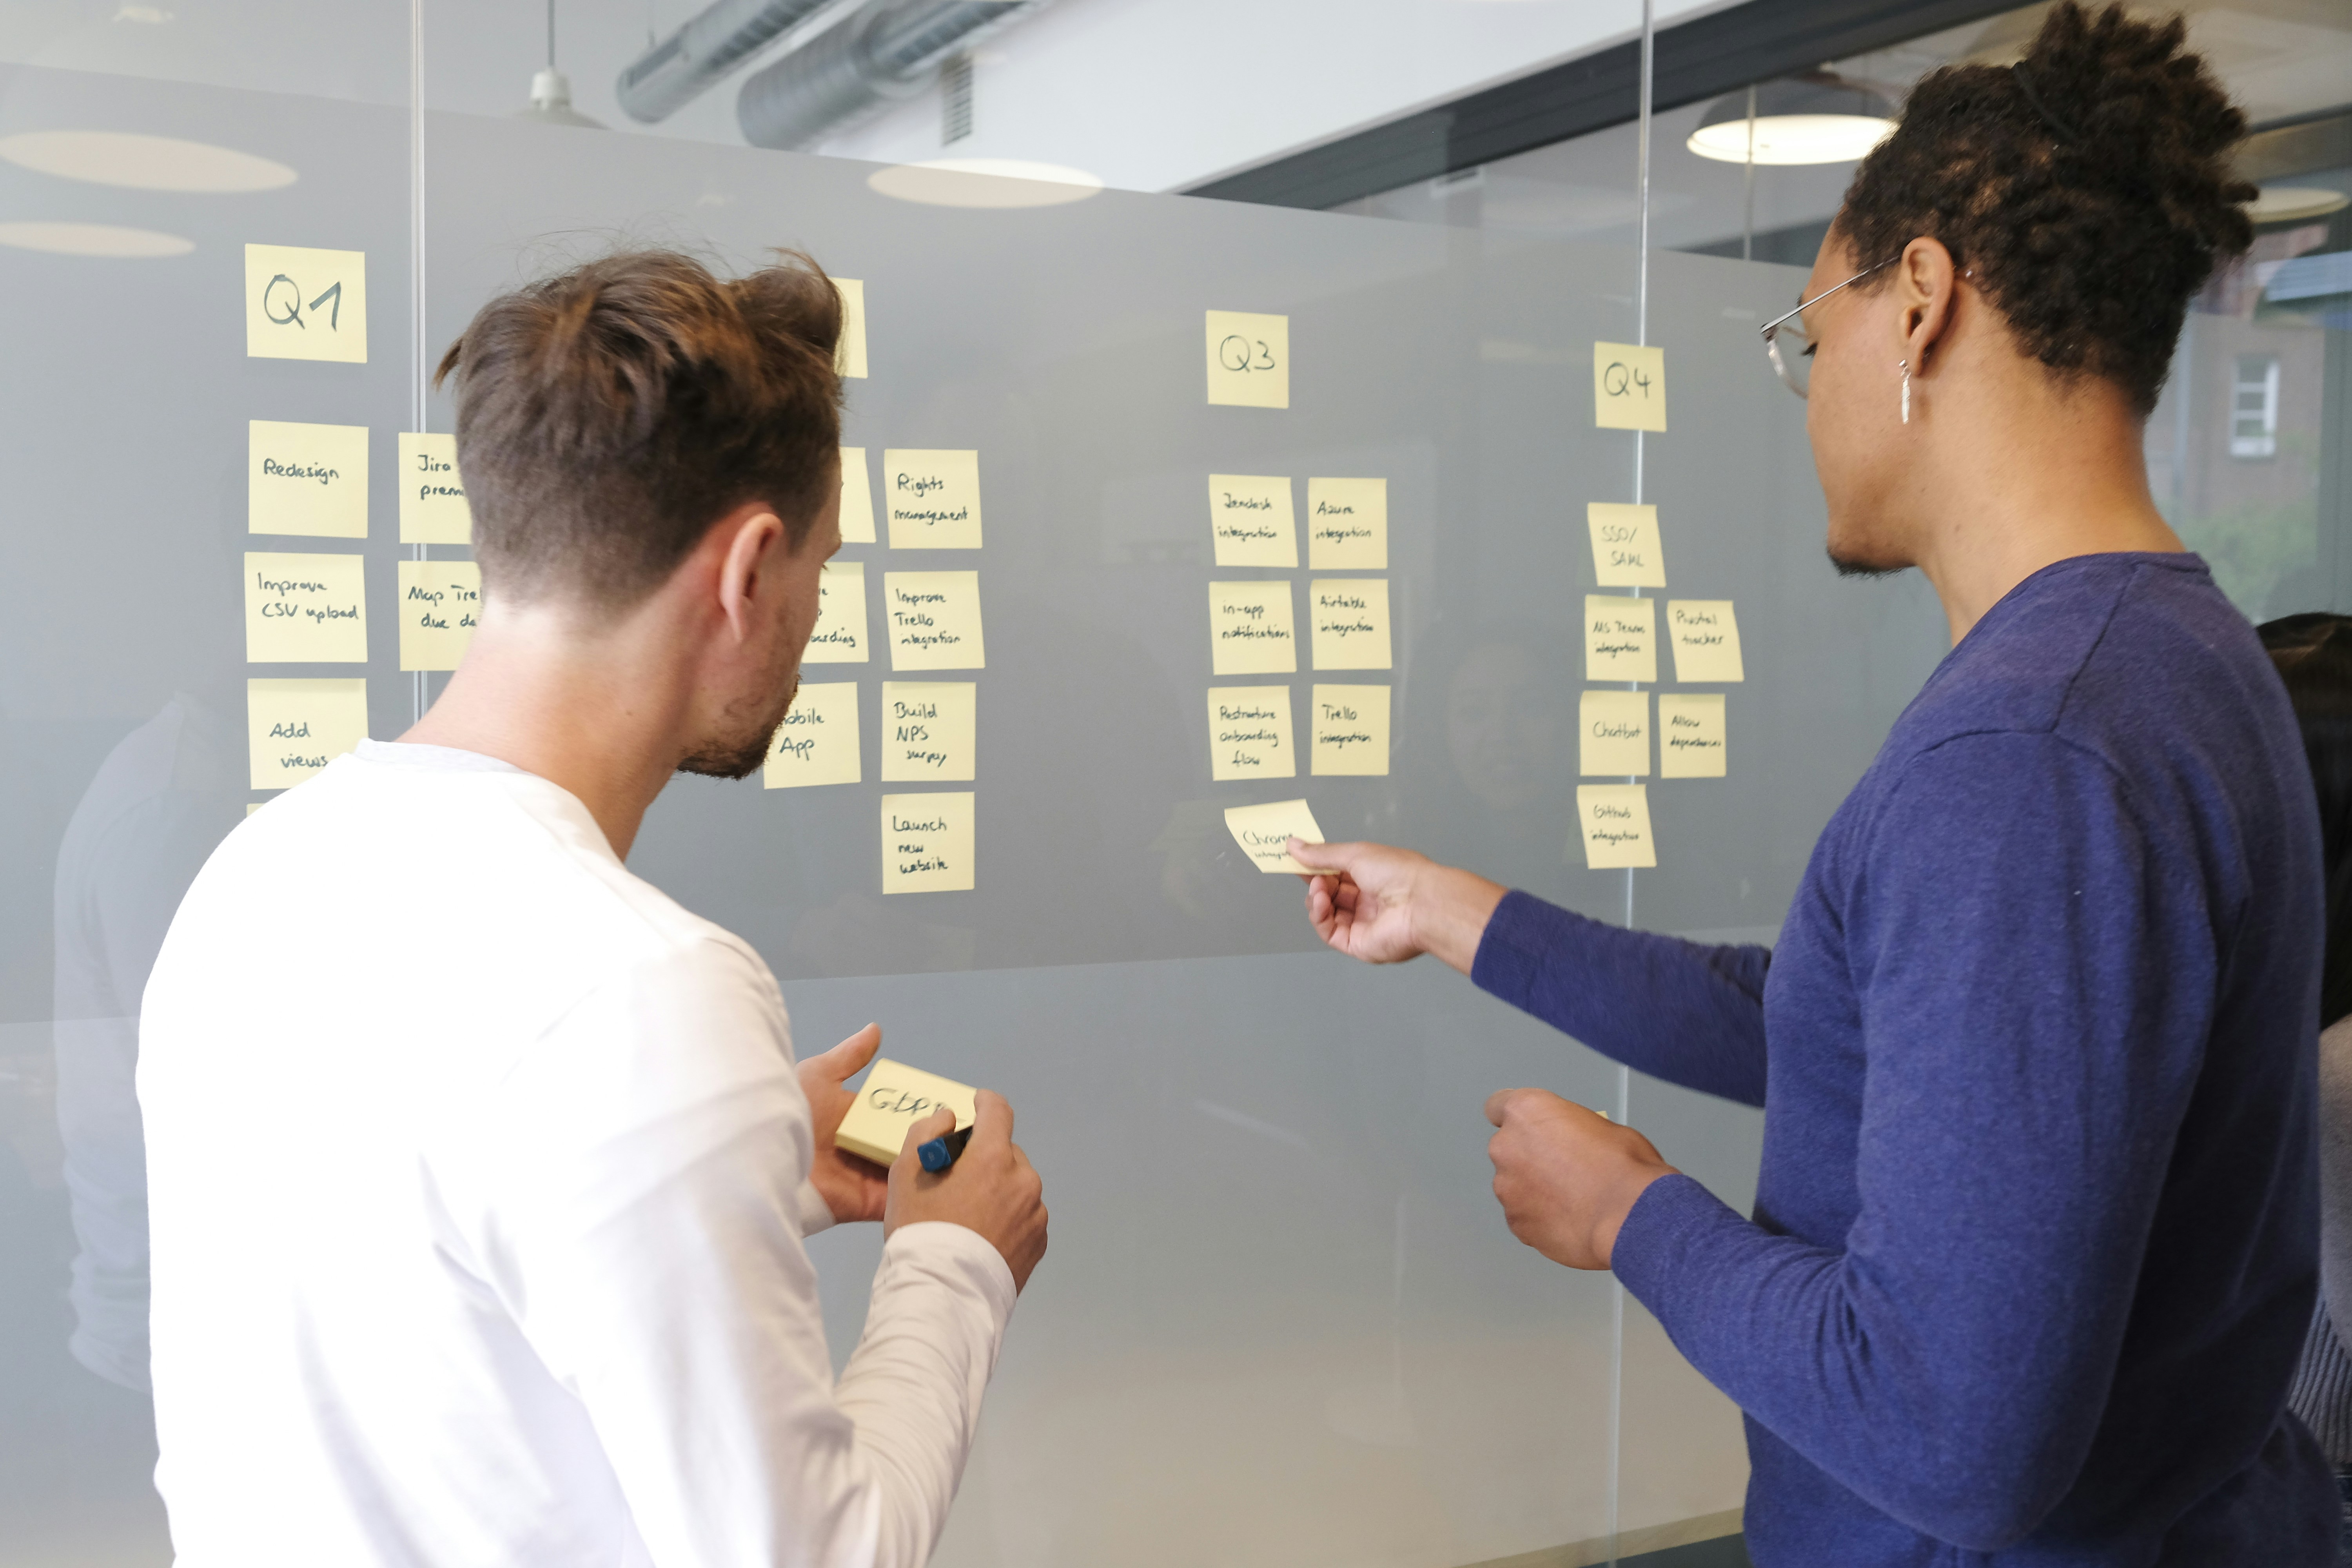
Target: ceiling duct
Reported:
[(887, 50), (677, 70)]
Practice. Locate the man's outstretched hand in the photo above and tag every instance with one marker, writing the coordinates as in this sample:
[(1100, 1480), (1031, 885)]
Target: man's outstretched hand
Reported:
[(1566, 1177), (853, 1189), (1385, 905)]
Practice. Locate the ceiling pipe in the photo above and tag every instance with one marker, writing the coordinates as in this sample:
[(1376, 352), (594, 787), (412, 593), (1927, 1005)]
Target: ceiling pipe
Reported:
[(679, 68), (887, 50)]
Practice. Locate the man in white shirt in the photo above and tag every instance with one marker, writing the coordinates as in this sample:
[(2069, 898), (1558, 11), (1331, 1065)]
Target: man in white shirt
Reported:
[(479, 1170)]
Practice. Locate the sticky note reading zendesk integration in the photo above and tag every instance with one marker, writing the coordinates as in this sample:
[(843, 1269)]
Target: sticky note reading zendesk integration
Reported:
[(840, 635), (306, 478), (1629, 387), (294, 728), (891, 1101), (1249, 732), (1613, 734), (440, 605), (305, 609), (1707, 640), (849, 357), (856, 498), (933, 499), (1620, 640), (1264, 832), (1691, 735), (1348, 525), (302, 303), (1352, 730), (928, 730), (1351, 622), (817, 741), (433, 509), (927, 843), (1626, 552), (934, 619), (1250, 518), (1616, 821), (1250, 629), (1249, 358)]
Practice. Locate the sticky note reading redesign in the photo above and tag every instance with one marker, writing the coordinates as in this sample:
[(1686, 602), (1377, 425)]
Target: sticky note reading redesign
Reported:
[(1250, 629), (1249, 358), (1613, 734), (433, 509), (927, 843), (1249, 732), (1626, 552), (305, 609), (1351, 730), (1616, 822), (1250, 520), (1621, 638), (1707, 640), (934, 619), (856, 498), (933, 499), (818, 743), (294, 728), (1264, 832), (1691, 735), (840, 633), (929, 729), (891, 1101), (849, 358), (1348, 525), (302, 303), (306, 478), (1351, 622), (1629, 387), (440, 605)]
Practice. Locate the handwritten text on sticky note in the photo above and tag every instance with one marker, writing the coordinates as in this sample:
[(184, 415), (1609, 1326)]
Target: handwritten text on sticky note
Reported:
[(1707, 640), (927, 843), (928, 730), (932, 499), (840, 633), (1250, 630), (1629, 387), (303, 303), (1616, 823), (305, 609), (440, 605), (933, 619), (1691, 735), (294, 728), (1614, 732), (1626, 551), (888, 1104), (1250, 521), (817, 741), (1351, 730), (1249, 358), (856, 498), (306, 479), (1351, 622), (1620, 640), (1264, 832), (433, 509), (1348, 525), (1250, 733)]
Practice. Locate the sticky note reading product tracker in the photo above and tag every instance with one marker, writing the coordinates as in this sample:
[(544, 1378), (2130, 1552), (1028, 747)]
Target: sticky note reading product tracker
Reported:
[(817, 741), (849, 358), (306, 478), (891, 1101), (1613, 734), (1348, 525), (433, 509), (1629, 387), (305, 609), (1249, 734), (1249, 358), (440, 605), (1264, 831), (1351, 622), (1352, 730), (1621, 641), (927, 843), (294, 728), (1626, 552), (1707, 640), (840, 635), (1616, 822), (933, 499), (1250, 629), (1691, 735), (1250, 520), (302, 303), (934, 619), (928, 730), (856, 498)]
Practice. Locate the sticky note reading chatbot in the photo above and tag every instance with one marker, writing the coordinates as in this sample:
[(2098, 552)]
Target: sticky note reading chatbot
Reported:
[(892, 1099)]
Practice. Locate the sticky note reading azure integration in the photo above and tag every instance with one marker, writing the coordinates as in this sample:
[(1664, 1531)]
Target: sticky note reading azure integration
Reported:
[(894, 1098), (1249, 732), (302, 303), (1265, 832), (1616, 822), (817, 741), (1351, 730), (1348, 525), (1249, 358), (306, 478), (1621, 638), (934, 619), (1707, 640), (1250, 520), (1250, 629), (440, 605), (933, 499), (840, 635), (1626, 551), (294, 728), (927, 843), (433, 509), (1629, 387), (305, 609), (1691, 735), (928, 730)]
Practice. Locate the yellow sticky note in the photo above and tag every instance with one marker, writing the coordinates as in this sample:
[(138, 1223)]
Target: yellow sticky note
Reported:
[(1351, 622), (1707, 640), (306, 478), (1626, 550), (930, 731), (934, 620), (433, 509), (840, 633), (1250, 630), (1352, 730), (849, 357), (932, 498), (817, 741), (1613, 734), (294, 728), (305, 609), (302, 303), (1629, 387), (1621, 638), (891, 1101), (1264, 832), (1691, 735), (440, 605), (1616, 822), (1249, 732), (1251, 522), (1348, 525), (856, 498), (927, 843), (1249, 358)]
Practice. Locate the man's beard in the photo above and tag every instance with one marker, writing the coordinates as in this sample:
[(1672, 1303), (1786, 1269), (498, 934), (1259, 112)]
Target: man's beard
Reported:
[(1848, 566), (740, 755)]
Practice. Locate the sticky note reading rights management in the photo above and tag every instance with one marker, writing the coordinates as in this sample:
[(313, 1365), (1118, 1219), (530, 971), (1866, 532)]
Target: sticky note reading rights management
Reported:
[(932, 499), (1264, 832), (306, 478), (817, 741), (1250, 520), (1626, 552), (1616, 823), (891, 1101)]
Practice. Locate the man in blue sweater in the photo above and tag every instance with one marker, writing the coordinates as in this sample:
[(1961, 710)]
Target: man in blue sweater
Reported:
[(2034, 1240)]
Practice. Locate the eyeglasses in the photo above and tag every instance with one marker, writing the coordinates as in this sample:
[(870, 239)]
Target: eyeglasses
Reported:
[(1785, 340)]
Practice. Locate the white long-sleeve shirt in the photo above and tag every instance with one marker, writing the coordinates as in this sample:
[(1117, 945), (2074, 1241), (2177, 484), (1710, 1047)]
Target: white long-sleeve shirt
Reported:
[(478, 1184)]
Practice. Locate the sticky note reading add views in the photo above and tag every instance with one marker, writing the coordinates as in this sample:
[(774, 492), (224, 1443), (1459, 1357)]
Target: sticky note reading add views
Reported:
[(1249, 734), (1621, 638), (1613, 734), (933, 619), (1250, 630), (891, 1101), (1348, 525), (440, 605), (932, 498), (1250, 520), (294, 728), (1264, 832), (840, 633), (1616, 823), (433, 509), (1626, 551), (1249, 358), (927, 843), (1352, 730), (1351, 622), (1707, 640), (302, 303), (1691, 735), (817, 741), (1629, 387), (305, 609), (928, 730), (306, 479)]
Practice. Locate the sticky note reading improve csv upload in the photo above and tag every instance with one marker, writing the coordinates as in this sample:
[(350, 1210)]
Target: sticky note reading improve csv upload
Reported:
[(433, 509), (305, 609), (927, 843), (891, 1101), (1348, 525), (302, 303), (1250, 520), (1626, 551), (928, 730), (933, 619), (1691, 735), (440, 605), (1707, 640), (1264, 832), (1250, 733), (306, 478), (932, 499), (817, 741), (1249, 358), (849, 355), (1629, 387), (1350, 622), (840, 633), (1613, 734), (1351, 731), (294, 728), (1616, 823), (856, 498), (1250, 630), (1621, 641)]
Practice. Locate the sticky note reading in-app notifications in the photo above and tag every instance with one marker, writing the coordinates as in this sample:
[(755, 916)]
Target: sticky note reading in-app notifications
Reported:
[(1629, 387), (1614, 732), (1707, 640), (302, 303), (305, 609), (1351, 622), (1250, 521), (1249, 732), (1250, 629), (849, 358), (932, 499), (1620, 640), (1249, 358), (440, 605), (927, 843), (1616, 822), (433, 509), (1264, 832), (889, 1103), (1626, 552), (928, 730), (1348, 525), (840, 635), (306, 478), (856, 498), (1352, 730), (294, 728), (1691, 735), (817, 741), (934, 619)]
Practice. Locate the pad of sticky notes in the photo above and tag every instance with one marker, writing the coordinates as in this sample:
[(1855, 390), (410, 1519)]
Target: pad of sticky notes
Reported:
[(892, 1099), (1265, 832)]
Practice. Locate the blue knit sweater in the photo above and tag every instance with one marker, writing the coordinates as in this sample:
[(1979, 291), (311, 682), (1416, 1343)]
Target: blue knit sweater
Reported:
[(2035, 1241)]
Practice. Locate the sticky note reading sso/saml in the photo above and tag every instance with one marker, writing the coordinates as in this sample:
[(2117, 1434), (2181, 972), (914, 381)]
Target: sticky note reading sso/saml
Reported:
[(305, 609), (1250, 520), (1348, 525), (932, 499), (306, 478), (1351, 622), (1351, 730), (1250, 629), (1265, 832), (1249, 358), (440, 605), (934, 620), (1691, 735), (1250, 733), (433, 509), (891, 1101), (303, 303), (1613, 734), (1616, 822), (927, 843), (1707, 640), (1621, 638), (856, 498), (849, 356), (294, 728), (1629, 387), (930, 731), (840, 633), (817, 741), (1626, 551)]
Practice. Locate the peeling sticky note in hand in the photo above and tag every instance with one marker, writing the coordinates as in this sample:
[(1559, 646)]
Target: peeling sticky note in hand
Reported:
[(1265, 832)]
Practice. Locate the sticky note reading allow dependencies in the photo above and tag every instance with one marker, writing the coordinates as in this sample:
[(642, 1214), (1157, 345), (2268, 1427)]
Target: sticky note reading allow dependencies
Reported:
[(1250, 521), (889, 1103), (927, 843), (1629, 387), (306, 479), (932, 499), (1250, 733), (1626, 551), (1691, 735), (302, 303), (294, 728), (305, 609), (440, 605), (1616, 823), (1249, 358), (1264, 832), (817, 741), (433, 509)]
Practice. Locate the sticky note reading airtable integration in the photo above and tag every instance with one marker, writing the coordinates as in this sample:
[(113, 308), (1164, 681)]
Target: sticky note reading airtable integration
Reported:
[(1613, 734), (1626, 552), (1707, 640), (294, 728), (927, 843), (1352, 730), (433, 509), (1691, 735), (933, 619), (1616, 822), (891, 1101), (305, 609), (1348, 525), (1621, 641), (1249, 734), (817, 741), (932, 498), (306, 478), (1351, 622), (1629, 387), (1249, 358), (840, 633), (440, 605), (1250, 629), (856, 498), (930, 731), (849, 356), (302, 303), (1250, 520)]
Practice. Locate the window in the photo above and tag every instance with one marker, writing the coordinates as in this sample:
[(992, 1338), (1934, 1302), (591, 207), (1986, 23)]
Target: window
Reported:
[(2253, 407)]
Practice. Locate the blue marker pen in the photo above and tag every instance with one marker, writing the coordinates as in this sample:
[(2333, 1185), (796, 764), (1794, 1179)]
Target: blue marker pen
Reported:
[(941, 1152)]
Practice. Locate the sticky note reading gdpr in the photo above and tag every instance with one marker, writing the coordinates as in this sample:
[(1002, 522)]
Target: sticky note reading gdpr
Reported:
[(891, 1101)]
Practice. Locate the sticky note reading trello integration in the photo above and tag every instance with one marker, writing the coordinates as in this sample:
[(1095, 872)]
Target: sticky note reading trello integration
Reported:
[(440, 605), (433, 509), (1629, 387), (891, 1101), (856, 498), (1249, 358), (1621, 638), (1351, 730), (933, 619), (1250, 520), (1348, 525), (1250, 733), (305, 609), (1265, 832), (932, 499), (1616, 822), (302, 303), (930, 731), (849, 355), (1626, 552), (927, 843), (1614, 732), (1707, 640), (1691, 735), (1351, 622), (306, 478), (294, 728), (1250, 630), (840, 633), (817, 741)]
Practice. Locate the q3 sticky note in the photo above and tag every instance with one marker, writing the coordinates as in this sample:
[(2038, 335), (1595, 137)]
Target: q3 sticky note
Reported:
[(927, 843), (930, 731), (1616, 823), (891, 1101), (1626, 551), (817, 741), (1264, 832), (849, 355), (294, 728), (932, 499), (840, 633), (1250, 733), (1348, 525), (856, 498), (302, 303), (1613, 734), (1621, 638), (1351, 731), (1250, 629), (1250, 520), (440, 605), (1707, 640), (1350, 622), (1249, 358), (1629, 387), (933, 618), (305, 609), (433, 509), (306, 478), (1691, 735)]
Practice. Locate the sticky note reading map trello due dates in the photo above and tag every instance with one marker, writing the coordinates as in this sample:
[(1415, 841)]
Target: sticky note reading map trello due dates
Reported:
[(891, 1101)]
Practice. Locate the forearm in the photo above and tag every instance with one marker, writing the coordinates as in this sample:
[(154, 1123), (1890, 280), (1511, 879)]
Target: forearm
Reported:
[(1451, 908)]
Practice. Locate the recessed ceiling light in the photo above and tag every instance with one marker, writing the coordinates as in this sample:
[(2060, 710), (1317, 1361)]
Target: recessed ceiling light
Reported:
[(142, 162), (2283, 204), (1818, 117), (93, 240), (984, 183)]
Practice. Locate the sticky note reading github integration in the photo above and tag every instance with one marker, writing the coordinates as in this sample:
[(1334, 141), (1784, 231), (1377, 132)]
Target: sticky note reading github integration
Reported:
[(1616, 823), (433, 509), (889, 1103), (856, 498), (1629, 387), (1351, 622), (932, 499), (306, 478), (927, 843), (1250, 630), (1691, 735), (1250, 520), (817, 741), (1626, 551), (840, 633), (928, 730), (1348, 525), (303, 303), (1707, 640), (1351, 730), (440, 605), (305, 609), (1613, 734), (1249, 358), (933, 619), (1621, 638), (294, 728), (1250, 733), (1264, 832), (849, 357)]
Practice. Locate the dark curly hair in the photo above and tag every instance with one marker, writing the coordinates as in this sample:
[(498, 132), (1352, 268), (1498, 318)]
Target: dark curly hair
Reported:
[(2087, 188)]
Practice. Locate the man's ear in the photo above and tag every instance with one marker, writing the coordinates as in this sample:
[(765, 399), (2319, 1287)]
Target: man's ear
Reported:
[(1924, 282), (747, 535)]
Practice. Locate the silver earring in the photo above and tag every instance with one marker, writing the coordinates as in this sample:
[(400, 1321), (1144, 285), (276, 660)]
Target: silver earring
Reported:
[(1906, 366)]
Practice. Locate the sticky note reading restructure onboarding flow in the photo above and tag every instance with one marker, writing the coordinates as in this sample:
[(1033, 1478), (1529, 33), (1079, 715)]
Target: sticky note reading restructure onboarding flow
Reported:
[(817, 741), (840, 633), (1250, 520), (433, 509), (889, 1103), (1250, 630), (930, 731), (302, 303), (1613, 734), (932, 499), (1351, 731), (1616, 823), (1350, 622), (440, 605), (1348, 525), (1249, 358), (1626, 551), (1691, 735), (1620, 640), (1707, 640), (1250, 733), (856, 498), (306, 478), (933, 619), (1629, 387), (927, 843), (294, 728), (1265, 832), (849, 356), (305, 609)]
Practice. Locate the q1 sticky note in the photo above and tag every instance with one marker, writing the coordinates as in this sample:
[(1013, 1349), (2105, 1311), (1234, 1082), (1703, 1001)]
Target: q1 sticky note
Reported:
[(1250, 520), (1613, 734), (1707, 640), (1620, 640), (1350, 622), (856, 498), (1629, 387), (1250, 630), (891, 1101), (302, 303), (817, 741), (294, 728), (1691, 735), (928, 730), (1616, 823), (927, 843), (440, 605), (1626, 551), (1264, 832), (840, 633), (1351, 731), (433, 509), (1249, 358), (849, 355), (932, 499), (1348, 525), (306, 478), (933, 618), (305, 609), (1250, 733)]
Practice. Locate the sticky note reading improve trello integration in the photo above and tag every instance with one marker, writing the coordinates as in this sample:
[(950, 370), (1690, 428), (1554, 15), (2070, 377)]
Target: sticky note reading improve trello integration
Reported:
[(893, 1098)]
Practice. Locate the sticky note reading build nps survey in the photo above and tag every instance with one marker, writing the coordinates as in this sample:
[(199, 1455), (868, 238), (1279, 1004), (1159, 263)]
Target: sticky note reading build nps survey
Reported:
[(1348, 525), (927, 843), (433, 509), (1352, 730), (1249, 358), (891, 1101), (305, 609), (933, 619), (849, 358), (1351, 622), (306, 478), (1616, 821), (817, 741), (856, 498), (302, 303), (1250, 520), (1613, 734), (294, 728), (440, 605), (928, 730), (1629, 387), (840, 635), (1249, 732), (1707, 640), (933, 499), (1250, 629), (1691, 735), (1620, 640), (1626, 552)]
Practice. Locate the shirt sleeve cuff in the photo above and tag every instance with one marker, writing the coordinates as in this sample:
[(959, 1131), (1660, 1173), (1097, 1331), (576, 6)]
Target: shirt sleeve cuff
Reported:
[(815, 1214)]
